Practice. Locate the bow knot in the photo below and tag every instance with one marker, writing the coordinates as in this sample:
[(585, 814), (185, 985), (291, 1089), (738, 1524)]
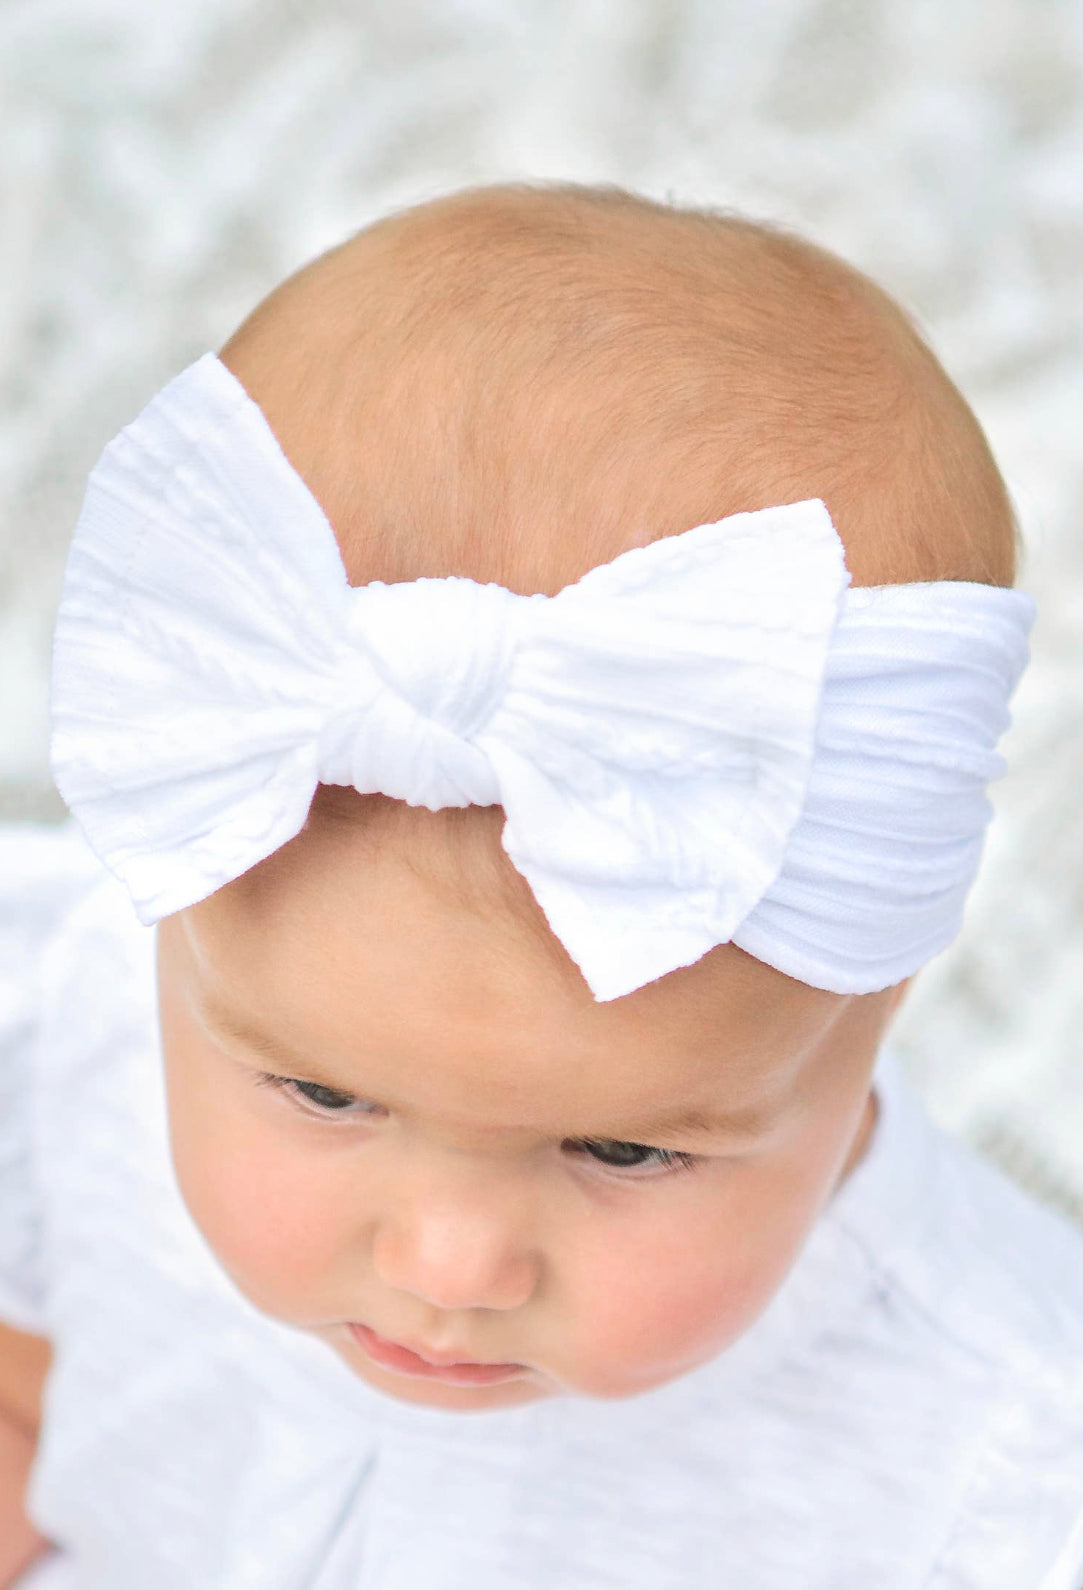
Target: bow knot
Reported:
[(422, 669)]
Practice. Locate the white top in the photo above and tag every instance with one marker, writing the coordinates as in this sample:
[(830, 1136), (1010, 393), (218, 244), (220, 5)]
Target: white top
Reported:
[(907, 1413)]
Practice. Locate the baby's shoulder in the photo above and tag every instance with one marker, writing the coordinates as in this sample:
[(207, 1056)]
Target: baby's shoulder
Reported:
[(45, 868), (66, 927), (1009, 1269), (47, 872), (974, 1262)]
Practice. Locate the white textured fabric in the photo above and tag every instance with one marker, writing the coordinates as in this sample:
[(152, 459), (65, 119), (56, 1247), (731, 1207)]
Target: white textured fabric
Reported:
[(42, 870), (706, 739), (907, 1414)]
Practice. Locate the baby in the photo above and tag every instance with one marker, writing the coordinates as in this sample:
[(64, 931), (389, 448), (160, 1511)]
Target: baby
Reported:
[(456, 1083)]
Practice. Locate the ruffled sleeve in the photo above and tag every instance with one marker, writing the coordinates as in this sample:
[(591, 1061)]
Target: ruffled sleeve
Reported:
[(44, 870)]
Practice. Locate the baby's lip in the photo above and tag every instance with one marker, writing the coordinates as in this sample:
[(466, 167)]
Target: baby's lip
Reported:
[(429, 1354), (422, 1360)]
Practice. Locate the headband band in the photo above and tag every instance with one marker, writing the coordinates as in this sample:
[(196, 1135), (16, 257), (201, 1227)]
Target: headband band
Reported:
[(709, 739)]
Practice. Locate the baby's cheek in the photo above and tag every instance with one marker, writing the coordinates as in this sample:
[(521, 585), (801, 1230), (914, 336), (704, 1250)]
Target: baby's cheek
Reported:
[(655, 1308), (666, 1324), (265, 1212)]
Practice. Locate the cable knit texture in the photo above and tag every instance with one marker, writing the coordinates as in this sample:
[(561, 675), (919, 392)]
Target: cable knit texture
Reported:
[(708, 738)]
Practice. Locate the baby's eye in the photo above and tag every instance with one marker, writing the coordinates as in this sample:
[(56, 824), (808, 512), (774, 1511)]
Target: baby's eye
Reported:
[(324, 1098), (317, 1099), (609, 1151), (619, 1155)]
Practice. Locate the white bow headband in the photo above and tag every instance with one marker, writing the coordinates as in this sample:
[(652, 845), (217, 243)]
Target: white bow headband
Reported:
[(711, 738)]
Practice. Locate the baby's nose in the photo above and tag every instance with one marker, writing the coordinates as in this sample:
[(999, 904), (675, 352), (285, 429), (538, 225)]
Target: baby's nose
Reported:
[(457, 1249)]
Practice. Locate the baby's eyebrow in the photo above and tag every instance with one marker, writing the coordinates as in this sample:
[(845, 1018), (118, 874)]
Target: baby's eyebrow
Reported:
[(229, 1025), (750, 1122)]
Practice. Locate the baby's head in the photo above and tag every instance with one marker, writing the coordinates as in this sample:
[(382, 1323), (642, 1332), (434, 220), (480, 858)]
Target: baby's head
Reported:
[(463, 1151)]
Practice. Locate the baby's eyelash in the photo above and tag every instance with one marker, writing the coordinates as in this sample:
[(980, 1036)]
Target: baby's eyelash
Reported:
[(666, 1159), (669, 1159), (296, 1088)]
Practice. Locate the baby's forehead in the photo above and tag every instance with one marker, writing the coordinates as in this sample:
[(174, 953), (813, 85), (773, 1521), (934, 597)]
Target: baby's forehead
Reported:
[(351, 948), (517, 386)]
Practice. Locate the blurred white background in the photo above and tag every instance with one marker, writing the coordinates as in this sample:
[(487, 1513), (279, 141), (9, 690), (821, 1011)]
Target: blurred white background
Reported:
[(162, 167)]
